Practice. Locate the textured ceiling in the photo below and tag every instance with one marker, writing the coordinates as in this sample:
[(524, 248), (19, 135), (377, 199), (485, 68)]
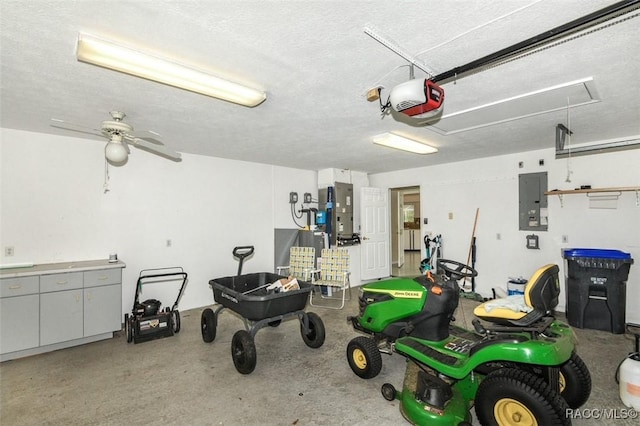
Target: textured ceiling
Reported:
[(315, 63)]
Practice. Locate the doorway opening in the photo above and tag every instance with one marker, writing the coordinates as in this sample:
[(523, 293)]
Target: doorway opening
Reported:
[(406, 231)]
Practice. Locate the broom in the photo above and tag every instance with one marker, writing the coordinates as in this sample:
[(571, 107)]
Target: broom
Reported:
[(472, 294)]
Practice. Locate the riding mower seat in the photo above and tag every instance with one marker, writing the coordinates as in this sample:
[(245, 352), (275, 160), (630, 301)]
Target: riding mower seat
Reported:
[(540, 296)]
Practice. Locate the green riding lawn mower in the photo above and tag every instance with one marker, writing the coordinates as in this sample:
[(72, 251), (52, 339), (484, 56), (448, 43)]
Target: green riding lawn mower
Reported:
[(520, 368)]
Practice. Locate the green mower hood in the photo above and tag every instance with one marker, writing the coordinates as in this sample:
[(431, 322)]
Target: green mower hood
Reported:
[(389, 301)]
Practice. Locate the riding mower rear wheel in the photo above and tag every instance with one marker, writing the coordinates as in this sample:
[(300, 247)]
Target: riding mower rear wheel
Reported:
[(511, 396), (575, 381)]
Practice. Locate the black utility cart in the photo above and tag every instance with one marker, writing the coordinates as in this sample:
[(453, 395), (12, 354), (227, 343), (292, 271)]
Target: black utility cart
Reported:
[(148, 320), (247, 295)]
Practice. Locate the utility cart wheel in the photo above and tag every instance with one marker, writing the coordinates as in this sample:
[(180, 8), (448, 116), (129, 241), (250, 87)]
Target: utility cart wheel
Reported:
[(509, 396), (243, 352), (388, 391), (314, 337), (364, 357), (175, 316), (208, 323), (128, 329)]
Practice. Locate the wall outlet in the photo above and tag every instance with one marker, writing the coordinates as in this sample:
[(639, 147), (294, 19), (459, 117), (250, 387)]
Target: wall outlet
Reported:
[(498, 236), (307, 198), (8, 251), (169, 243), (450, 215), (293, 197)]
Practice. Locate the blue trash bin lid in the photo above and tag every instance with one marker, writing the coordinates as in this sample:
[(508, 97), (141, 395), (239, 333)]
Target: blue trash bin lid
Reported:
[(595, 253)]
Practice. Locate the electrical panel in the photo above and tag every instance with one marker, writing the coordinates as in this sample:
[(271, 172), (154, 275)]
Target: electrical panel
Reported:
[(533, 212)]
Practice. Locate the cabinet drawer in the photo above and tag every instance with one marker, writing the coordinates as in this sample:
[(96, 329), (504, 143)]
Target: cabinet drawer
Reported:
[(59, 282), (102, 277), (19, 286)]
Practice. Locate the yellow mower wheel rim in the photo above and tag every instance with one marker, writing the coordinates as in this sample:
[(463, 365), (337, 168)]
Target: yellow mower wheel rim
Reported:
[(359, 359), (509, 412), (563, 383)]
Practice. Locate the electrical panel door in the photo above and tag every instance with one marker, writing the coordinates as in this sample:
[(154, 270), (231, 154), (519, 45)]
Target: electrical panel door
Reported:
[(533, 202)]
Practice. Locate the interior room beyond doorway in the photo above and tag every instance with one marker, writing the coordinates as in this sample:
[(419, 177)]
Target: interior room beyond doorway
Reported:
[(406, 234)]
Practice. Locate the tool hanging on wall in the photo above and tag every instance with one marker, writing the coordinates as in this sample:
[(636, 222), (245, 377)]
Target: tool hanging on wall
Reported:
[(425, 264), (471, 261)]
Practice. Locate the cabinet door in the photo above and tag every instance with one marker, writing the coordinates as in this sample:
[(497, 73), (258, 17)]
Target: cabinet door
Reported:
[(60, 316), (19, 323), (102, 309)]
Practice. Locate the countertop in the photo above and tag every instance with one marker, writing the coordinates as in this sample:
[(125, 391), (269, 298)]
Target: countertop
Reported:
[(57, 268)]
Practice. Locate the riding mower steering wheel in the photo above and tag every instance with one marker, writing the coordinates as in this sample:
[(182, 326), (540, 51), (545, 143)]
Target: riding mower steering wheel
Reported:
[(455, 270)]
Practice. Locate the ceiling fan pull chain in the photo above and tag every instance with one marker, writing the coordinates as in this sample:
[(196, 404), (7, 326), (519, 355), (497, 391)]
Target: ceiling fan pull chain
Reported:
[(105, 186)]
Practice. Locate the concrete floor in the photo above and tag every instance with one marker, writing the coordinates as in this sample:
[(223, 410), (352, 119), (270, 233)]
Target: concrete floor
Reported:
[(411, 265), (182, 380)]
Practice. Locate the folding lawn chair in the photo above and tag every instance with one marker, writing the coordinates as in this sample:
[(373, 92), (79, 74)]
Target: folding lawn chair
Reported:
[(334, 275)]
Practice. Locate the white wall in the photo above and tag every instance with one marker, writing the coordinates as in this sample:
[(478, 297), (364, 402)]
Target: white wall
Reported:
[(491, 185), (53, 209)]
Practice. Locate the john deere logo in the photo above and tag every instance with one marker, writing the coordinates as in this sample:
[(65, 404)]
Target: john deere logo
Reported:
[(399, 294), (406, 294)]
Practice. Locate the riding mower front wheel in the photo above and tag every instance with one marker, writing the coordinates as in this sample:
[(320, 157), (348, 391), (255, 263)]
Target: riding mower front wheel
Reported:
[(364, 357), (510, 396)]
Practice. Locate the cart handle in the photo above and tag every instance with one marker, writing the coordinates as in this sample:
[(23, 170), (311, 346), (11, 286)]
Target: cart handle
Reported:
[(241, 252)]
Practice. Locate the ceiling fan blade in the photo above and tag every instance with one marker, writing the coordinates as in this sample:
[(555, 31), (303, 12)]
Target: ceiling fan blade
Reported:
[(148, 135), (61, 124), (151, 147), (131, 138)]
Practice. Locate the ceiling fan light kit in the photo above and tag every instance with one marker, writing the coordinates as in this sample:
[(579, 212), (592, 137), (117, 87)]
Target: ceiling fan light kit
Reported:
[(392, 140), (110, 55), (115, 152)]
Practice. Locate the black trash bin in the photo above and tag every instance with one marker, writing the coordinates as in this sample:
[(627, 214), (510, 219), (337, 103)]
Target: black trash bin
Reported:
[(596, 288)]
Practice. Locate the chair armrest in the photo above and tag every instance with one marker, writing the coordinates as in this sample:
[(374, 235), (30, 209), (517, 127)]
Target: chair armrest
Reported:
[(313, 273), (280, 268)]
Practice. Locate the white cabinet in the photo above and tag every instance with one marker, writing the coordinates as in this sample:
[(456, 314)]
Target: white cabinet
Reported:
[(19, 304), (60, 308), (48, 307), (102, 299), (411, 239)]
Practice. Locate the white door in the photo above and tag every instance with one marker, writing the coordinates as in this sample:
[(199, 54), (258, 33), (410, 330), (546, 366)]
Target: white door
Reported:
[(374, 220), (400, 227)]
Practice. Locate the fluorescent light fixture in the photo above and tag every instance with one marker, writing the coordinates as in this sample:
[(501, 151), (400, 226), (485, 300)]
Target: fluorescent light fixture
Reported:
[(106, 54), (393, 140)]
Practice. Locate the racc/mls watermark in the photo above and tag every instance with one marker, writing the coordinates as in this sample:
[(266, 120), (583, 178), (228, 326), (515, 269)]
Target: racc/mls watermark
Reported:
[(602, 413)]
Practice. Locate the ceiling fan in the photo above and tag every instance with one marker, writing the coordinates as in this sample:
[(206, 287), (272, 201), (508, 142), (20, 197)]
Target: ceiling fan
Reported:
[(119, 135)]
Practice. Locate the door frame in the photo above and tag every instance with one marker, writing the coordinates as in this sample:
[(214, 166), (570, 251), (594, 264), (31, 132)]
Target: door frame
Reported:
[(395, 228)]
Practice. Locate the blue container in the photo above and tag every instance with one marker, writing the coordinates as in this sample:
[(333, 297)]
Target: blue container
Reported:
[(596, 288), (516, 286), (321, 217)]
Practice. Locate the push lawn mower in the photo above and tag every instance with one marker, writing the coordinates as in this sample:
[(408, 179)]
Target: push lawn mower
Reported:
[(147, 321), (521, 370)]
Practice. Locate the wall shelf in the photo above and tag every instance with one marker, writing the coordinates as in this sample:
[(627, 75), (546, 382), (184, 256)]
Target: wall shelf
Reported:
[(607, 192)]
